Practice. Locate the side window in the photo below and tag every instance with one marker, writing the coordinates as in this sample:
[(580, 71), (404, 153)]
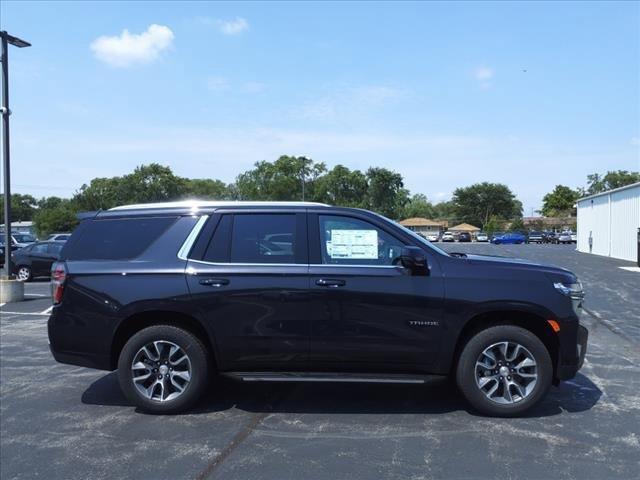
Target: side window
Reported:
[(39, 249), (349, 241), (263, 238), (55, 248), (218, 248), (118, 239)]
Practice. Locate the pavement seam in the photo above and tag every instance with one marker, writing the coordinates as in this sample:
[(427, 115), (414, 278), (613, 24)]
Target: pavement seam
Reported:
[(240, 437), (610, 326)]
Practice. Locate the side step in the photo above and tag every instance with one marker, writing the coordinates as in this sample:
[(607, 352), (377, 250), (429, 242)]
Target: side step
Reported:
[(330, 377)]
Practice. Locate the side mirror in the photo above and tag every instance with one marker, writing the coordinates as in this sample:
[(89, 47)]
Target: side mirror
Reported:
[(414, 259)]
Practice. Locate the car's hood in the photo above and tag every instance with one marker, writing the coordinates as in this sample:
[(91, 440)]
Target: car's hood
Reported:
[(521, 264)]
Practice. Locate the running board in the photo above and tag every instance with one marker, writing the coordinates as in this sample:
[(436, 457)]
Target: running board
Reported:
[(330, 377)]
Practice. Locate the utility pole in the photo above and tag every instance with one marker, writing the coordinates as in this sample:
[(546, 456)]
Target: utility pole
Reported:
[(7, 39)]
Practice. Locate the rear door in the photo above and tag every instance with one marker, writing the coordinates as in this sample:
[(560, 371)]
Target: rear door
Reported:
[(369, 313), (40, 259), (248, 277)]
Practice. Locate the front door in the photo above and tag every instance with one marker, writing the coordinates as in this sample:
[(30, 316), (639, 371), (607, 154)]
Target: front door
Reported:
[(369, 312), (251, 287)]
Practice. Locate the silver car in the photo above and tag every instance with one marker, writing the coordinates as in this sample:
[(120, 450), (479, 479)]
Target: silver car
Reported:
[(565, 237)]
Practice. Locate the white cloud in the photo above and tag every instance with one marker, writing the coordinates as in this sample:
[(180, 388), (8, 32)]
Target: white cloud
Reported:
[(217, 84), (484, 75), (128, 49), (227, 27), (346, 102)]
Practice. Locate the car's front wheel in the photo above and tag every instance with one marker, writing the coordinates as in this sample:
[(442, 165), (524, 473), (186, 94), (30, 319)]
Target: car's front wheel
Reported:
[(24, 273), (163, 369), (504, 370)]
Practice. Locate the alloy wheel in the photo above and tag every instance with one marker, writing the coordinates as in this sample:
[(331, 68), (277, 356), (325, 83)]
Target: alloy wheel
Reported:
[(506, 372), (23, 274), (161, 371)]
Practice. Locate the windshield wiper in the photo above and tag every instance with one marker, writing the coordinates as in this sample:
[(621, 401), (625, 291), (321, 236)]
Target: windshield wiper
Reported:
[(458, 254)]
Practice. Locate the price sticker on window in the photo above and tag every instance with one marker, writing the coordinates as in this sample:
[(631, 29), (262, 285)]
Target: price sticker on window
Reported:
[(353, 244)]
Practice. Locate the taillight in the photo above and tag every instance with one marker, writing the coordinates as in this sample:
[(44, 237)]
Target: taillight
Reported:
[(58, 277)]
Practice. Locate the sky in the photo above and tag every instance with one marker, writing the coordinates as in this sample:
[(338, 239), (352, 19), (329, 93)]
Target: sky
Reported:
[(447, 94)]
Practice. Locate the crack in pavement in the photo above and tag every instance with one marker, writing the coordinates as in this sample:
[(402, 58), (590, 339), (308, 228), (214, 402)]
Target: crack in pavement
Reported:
[(237, 440)]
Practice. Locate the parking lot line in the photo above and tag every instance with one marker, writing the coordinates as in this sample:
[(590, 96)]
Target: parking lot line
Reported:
[(25, 313), (631, 269)]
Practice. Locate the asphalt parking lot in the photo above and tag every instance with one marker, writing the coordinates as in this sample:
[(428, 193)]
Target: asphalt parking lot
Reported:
[(64, 422)]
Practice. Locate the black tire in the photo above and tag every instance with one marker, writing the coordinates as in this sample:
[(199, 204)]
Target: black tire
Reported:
[(465, 371), (192, 347)]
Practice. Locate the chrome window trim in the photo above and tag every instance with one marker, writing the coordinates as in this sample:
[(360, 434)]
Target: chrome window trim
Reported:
[(218, 264), (191, 238)]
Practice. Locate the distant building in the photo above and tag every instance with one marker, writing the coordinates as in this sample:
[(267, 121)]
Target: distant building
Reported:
[(608, 223), (557, 224), (465, 227), (21, 227), (424, 226)]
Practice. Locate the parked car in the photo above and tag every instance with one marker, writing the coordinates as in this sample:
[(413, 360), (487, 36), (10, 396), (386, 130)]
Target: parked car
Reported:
[(464, 237), (536, 237), (23, 239), (511, 237), (574, 238), (565, 237), (433, 237), (59, 237), (482, 237), (448, 237), (35, 260), (2, 250), (168, 294), (551, 237)]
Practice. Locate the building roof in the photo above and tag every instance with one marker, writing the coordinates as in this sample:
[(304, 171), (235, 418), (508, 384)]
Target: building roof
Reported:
[(464, 227), (631, 185), (420, 222), (549, 220)]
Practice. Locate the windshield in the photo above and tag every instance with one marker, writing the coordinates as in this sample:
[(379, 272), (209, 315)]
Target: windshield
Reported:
[(24, 237)]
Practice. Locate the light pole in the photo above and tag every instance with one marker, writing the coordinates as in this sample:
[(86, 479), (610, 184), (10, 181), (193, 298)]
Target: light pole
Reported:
[(7, 39)]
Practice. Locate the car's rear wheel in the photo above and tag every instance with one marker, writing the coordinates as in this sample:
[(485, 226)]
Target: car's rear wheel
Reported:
[(504, 370), (163, 369), (24, 273)]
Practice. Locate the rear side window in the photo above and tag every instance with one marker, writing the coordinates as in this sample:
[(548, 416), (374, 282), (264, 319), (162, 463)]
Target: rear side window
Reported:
[(263, 238), (39, 248), (117, 239)]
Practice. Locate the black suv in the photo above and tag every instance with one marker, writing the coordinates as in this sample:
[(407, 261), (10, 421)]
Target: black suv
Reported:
[(168, 294)]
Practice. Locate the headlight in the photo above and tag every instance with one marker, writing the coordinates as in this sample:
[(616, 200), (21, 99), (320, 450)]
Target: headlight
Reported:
[(573, 290)]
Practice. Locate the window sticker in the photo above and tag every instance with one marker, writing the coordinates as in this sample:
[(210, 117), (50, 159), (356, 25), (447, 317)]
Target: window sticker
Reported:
[(353, 244)]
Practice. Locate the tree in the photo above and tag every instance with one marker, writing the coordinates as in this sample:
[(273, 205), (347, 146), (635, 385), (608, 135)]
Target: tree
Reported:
[(288, 178), (56, 217), (22, 207), (341, 187), (612, 179), (206, 189), (147, 183), (477, 203), (517, 225), (418, 206), (494, 224), (559, 202), (386, 193)]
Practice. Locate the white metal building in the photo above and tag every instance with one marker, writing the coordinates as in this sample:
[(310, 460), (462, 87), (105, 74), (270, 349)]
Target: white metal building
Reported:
[(608, 223)]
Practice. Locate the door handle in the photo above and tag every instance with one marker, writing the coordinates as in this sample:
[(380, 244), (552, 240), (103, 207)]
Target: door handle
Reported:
[(214, 282), (330, 282)]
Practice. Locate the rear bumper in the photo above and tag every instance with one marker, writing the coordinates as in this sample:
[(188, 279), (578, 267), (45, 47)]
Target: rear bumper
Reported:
[(82, 359), (567, 370), (64, 338)]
